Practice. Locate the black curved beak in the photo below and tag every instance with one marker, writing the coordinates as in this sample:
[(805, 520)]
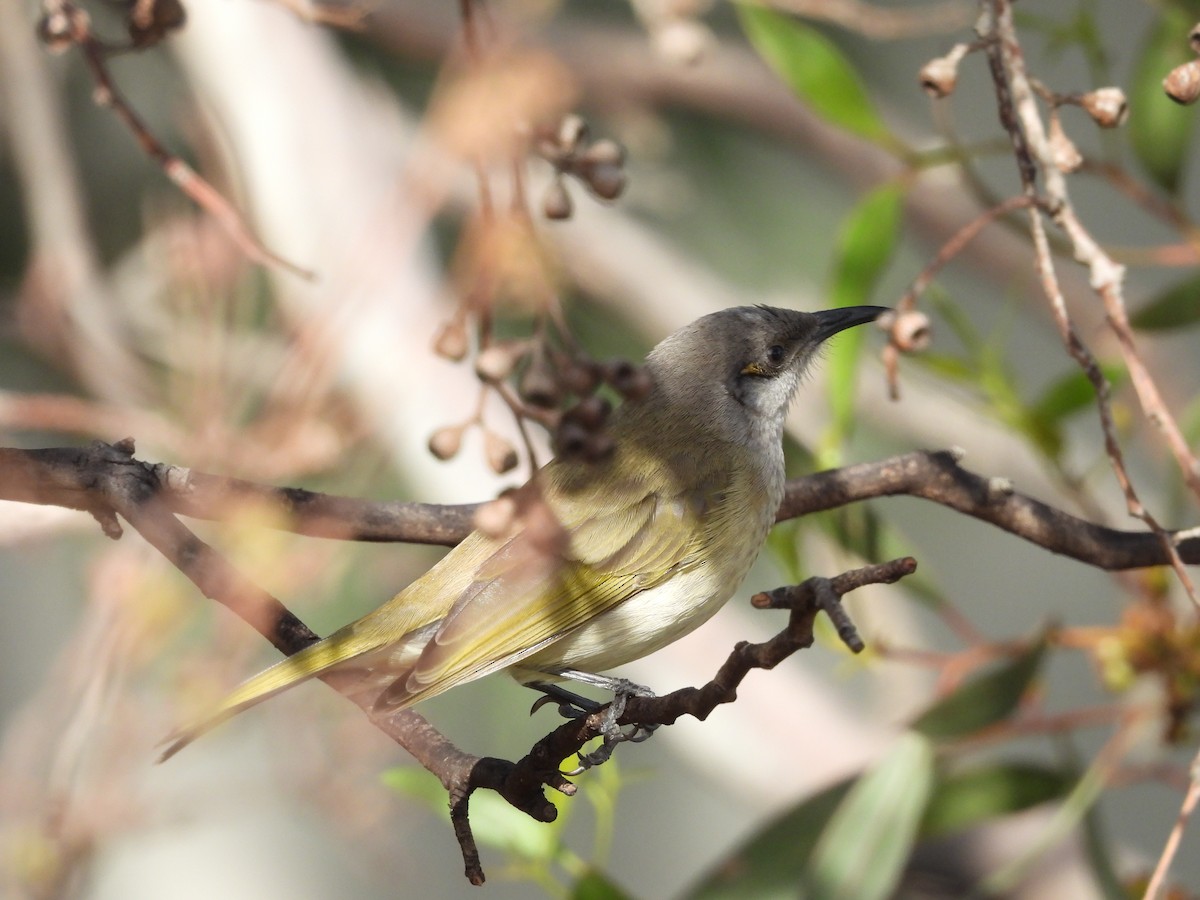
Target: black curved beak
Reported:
[(831, 321)]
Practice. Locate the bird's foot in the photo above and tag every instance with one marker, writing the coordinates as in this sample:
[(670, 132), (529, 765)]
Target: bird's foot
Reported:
[(573, 706), (612, 734)]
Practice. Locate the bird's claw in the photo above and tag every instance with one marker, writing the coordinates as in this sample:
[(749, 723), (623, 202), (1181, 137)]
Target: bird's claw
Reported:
[(642, 733), (566, 709)]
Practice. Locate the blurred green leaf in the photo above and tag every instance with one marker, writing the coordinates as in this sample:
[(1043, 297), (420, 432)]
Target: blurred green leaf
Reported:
[(798, 459), (953, 368), (784, 545), (771, 862), (1072, 393), (815, 69), (1000, 388), (961, 324), (984, 700), (1100, 854), (1004, 396), (872, 537), (977, 795), (1063, 821), (1177, 306), (985, 367), (493, 821), (498, 824), (865, 246), (919, 586), (1190, 421), (866, 242), (418, 783), (1078, 31), (864, 849), (857, 528), (1159, 128), (595, 885)]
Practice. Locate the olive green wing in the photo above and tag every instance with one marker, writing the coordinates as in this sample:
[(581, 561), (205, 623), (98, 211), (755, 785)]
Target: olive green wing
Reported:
[(619, 542)]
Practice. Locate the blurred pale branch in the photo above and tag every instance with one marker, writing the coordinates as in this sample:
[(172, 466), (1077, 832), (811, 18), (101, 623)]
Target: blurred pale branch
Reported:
[(873, 20)]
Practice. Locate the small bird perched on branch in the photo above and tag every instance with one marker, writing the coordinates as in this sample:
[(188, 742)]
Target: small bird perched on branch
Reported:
[(638, 548)]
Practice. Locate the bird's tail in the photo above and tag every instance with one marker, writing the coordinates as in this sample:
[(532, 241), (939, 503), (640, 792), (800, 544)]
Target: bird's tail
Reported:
[(308, 663)]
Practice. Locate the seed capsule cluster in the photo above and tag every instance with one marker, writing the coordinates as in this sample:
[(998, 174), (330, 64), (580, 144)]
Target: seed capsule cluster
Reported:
[(146, 21), (599, 165), (554, 388), (1106, 106)]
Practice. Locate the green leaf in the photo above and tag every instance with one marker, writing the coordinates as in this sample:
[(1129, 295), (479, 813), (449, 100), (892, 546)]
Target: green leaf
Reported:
[(1177, 306), (594, 885), (865, 246), (863, 532), (979, 795), (1072, 393), (1079, 31), (772, 861), (863, 851), (984, 700), (815, 69), (1160, 129)]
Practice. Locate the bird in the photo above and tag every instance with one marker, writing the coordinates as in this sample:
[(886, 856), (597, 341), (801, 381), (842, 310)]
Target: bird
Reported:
[(647, 543)]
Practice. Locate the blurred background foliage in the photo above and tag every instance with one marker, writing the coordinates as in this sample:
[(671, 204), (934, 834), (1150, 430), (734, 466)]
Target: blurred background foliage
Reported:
[(1020, 725)]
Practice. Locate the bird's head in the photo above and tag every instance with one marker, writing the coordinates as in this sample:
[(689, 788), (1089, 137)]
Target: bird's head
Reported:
[(742, 366)]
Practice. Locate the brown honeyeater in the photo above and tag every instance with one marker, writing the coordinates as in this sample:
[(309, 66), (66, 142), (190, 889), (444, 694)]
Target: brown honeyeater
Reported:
[(651, 540)]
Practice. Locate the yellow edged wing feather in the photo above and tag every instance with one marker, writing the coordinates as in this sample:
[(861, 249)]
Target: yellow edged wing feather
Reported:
[(526, 596), (374, 642)]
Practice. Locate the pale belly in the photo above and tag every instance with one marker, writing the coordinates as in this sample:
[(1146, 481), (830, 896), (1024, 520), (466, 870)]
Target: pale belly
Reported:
[(644, 623)]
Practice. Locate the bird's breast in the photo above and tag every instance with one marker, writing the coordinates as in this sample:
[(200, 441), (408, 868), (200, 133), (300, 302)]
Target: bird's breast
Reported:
[(647, 621), (735, 527)]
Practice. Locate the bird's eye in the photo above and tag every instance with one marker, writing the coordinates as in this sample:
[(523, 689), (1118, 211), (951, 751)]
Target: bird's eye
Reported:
[(776, 355)]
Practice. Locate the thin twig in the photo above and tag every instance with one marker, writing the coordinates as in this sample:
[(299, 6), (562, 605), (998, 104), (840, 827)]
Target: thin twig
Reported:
[(948, 251), (1020, 117), (955, 245), (1190, 799), (185, 177)]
